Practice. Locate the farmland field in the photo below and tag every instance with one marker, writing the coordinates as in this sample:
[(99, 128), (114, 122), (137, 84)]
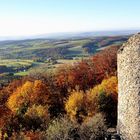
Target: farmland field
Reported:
[(22, 57)]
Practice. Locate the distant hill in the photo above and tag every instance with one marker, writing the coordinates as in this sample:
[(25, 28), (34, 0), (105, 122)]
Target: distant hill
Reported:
[(57, 48), (72, 35)]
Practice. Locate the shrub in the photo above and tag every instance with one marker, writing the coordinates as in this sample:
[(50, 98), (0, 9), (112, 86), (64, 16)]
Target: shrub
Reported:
[(61, 129), (107, 106), (19, 136), (94, 128), (29, 135)]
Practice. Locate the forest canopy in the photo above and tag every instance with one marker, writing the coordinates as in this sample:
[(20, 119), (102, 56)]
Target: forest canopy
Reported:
[(37, 105)]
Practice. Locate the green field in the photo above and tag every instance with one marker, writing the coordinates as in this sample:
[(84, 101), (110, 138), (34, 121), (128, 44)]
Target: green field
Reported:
[(15, 62), (22, 73)]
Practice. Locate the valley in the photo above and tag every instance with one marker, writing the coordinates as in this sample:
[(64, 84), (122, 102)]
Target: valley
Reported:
[(23, 57)]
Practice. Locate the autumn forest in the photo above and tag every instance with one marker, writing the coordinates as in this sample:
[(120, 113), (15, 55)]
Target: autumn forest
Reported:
[(76, 101)]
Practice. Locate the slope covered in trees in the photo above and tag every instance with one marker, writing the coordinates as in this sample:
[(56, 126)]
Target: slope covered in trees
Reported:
[(76, 101)]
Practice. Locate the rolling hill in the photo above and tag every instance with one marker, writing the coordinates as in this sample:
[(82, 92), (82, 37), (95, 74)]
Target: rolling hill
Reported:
[(56, 48), (22, 57)]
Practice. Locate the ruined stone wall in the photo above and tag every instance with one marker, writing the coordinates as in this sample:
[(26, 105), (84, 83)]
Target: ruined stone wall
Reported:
[(129, 89)]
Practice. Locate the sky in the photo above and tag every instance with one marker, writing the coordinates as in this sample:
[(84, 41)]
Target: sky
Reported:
[(36, 17)]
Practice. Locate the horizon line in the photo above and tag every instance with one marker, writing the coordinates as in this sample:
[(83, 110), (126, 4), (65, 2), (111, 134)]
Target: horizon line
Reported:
[(55, 34)]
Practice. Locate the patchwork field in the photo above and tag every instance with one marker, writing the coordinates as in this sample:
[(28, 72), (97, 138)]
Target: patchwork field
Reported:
[(22, 57)]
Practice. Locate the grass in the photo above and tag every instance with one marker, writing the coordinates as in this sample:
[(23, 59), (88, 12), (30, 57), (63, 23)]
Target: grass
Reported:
[(80, 42), (15, 62), (62, 62), (76, 48), (22, 73), (39, 66)]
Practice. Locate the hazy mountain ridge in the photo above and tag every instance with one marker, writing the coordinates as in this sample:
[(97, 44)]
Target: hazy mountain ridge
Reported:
[(68, 35)]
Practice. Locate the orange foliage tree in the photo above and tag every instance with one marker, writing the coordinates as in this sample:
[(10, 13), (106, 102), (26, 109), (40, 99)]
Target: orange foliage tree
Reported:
[(88, 73), (105, 62)]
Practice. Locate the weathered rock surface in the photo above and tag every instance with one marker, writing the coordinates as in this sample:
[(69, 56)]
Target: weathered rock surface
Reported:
[(129, 89)]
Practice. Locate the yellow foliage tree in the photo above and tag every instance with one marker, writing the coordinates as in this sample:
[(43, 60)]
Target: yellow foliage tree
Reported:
[(109, 86), (20, 96), (28, 94), (75, 106), (37, 111), (82, 105), (104, 97), (40, 93)]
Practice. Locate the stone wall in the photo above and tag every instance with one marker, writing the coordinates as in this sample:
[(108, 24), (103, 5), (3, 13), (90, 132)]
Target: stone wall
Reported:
[(129, 89)]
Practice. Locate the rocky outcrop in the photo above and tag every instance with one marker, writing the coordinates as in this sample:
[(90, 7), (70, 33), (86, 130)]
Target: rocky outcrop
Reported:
[(129, 89)]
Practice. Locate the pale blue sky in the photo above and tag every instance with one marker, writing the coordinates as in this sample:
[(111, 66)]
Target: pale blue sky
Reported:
[(31, 17)]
